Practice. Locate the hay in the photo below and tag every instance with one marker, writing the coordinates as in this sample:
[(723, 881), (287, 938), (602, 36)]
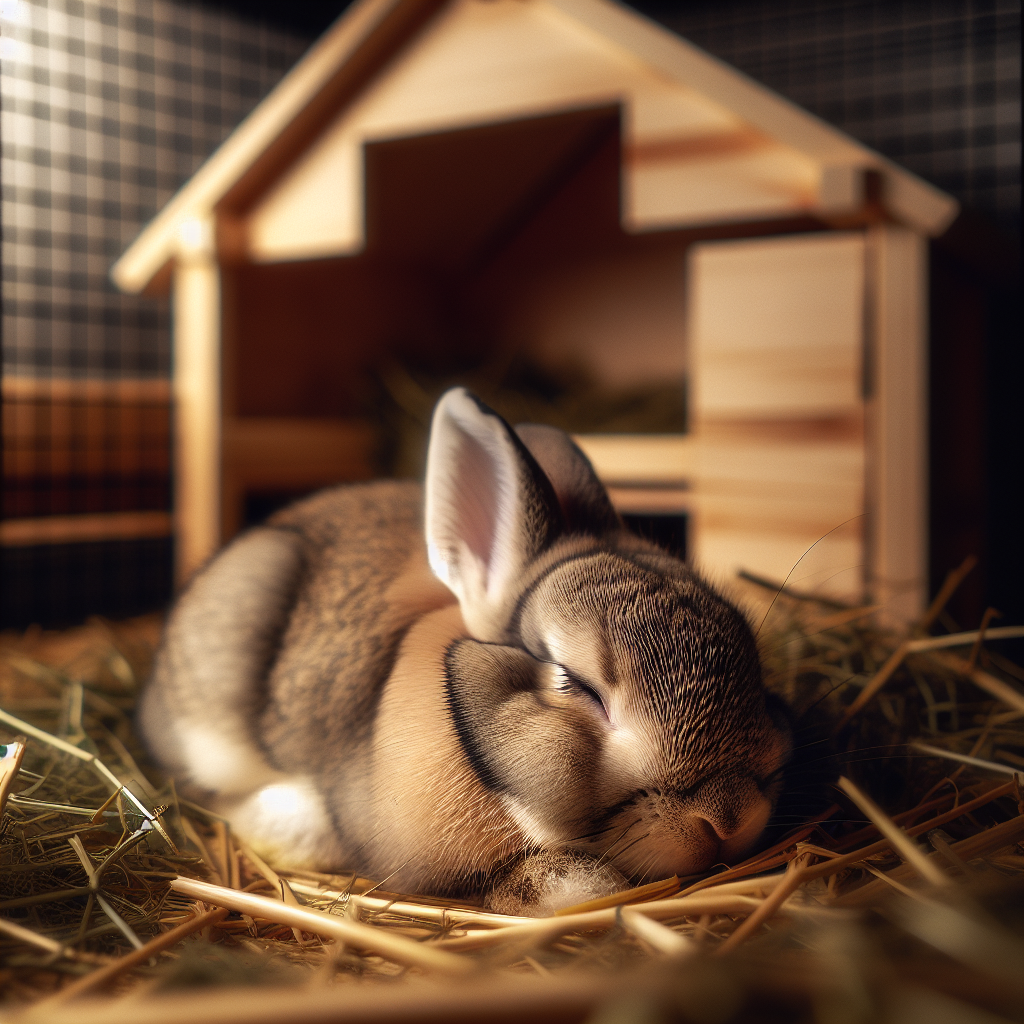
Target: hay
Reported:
[(892, 895)]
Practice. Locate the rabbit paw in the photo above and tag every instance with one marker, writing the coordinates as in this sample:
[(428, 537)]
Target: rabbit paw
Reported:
[(549, 881)]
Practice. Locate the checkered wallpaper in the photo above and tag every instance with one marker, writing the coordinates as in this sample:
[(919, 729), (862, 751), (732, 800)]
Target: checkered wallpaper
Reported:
[(933, 84), (108, 106)]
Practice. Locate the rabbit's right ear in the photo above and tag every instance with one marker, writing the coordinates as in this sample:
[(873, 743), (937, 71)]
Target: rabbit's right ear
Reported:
[(586, 507), (490, 510)]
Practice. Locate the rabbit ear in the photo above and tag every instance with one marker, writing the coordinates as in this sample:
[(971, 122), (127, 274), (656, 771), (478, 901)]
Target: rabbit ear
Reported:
[(490, 510), (585, 504)]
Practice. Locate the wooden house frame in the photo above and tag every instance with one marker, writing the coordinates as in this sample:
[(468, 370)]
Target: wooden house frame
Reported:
[(704, 170)]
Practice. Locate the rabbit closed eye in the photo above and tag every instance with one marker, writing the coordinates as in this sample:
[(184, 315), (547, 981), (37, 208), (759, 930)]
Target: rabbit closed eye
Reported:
[(487, 686)]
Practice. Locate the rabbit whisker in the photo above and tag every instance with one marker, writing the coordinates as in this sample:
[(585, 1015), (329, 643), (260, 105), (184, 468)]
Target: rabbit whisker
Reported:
[(626, 849), (610, 850), (383, 880), (789, 575)]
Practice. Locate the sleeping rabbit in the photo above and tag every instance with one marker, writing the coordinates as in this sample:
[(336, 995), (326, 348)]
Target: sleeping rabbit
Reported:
[(530, 703)]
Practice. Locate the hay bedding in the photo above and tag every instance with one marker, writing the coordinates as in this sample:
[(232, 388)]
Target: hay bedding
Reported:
[(892, 895)]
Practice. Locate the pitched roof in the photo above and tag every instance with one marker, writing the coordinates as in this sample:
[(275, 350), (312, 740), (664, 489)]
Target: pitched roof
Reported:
[(347, 63)]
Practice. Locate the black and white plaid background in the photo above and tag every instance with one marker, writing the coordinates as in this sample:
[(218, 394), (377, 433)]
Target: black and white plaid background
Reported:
[(933, 84), (108, 107)]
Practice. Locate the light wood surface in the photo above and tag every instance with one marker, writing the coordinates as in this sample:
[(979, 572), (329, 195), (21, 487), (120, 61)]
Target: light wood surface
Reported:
[(653, 459), (898, 418), (84, 528), (197, 397), (776, 349), (689, 159), (280, 454), (776, 327)]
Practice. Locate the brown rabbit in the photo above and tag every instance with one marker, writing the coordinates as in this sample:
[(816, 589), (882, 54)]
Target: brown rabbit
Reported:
[(533, 704)]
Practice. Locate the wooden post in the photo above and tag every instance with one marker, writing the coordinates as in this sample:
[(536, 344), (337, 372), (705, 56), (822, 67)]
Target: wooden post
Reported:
[(897, 406), (197, 312)]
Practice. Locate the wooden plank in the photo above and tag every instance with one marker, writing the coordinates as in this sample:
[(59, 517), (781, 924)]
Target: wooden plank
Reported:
[(650, 459), (897, 420), (197, 398), (646, 501), (795, 484), (812, 381), (830, 564), (797, 466), (776, 327), (762, 505), (669, 149), (84, 528), (772, 181), (278, 451), (129, 390), (776, 340)]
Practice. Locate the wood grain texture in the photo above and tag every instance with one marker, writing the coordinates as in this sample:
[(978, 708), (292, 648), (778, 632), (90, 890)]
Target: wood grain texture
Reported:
[(897, 420), (197, 400)]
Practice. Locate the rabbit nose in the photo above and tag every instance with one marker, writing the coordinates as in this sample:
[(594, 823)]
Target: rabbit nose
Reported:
[(709, 838), (717, 827), (694, 843), (733, 826)]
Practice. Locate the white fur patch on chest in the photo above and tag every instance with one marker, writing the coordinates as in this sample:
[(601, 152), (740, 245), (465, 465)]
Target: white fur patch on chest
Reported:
[(218, 761), (286, 821)]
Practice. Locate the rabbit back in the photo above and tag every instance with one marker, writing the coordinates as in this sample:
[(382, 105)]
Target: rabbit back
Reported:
[(198, 710), (274, 659), (368, 581)]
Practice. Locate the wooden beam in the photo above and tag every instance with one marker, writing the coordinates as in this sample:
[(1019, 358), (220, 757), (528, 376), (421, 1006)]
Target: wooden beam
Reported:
[(649, 460), (135, 390), (696, 147), (897, 410), (197, 314), (18, 533), (290, 454)]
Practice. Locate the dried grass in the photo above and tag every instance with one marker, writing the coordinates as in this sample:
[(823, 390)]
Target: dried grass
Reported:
[(892, 896)]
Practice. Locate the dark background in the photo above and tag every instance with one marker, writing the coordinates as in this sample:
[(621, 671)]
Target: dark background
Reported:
[(933, 85)]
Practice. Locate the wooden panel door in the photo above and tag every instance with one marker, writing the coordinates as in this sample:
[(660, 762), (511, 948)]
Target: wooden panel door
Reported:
[(776, 347)]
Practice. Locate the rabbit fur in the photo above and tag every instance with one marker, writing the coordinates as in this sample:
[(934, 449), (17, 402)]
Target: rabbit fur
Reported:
[(534, 703)]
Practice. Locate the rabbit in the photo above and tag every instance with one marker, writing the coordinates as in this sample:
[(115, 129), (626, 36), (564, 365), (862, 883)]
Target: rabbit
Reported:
[(486, 686)]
